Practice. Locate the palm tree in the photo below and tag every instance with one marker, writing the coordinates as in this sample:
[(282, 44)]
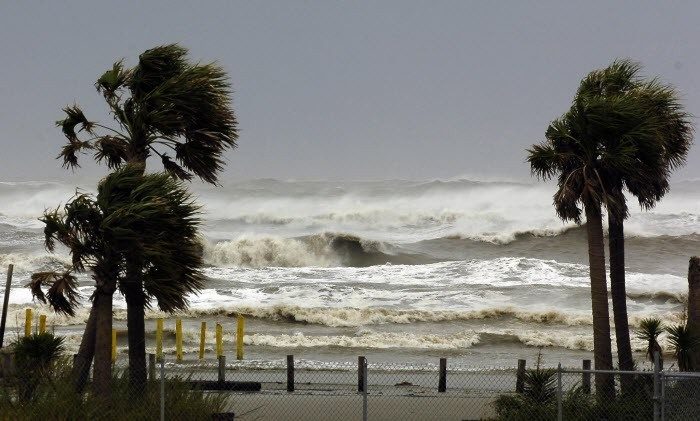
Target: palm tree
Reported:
[(586, 149), (99, 232), (653, 153), (649, 331), (167, 107), (684, 344)]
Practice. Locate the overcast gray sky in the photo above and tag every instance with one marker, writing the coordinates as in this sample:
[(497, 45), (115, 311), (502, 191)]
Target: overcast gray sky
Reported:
[(345, 90)]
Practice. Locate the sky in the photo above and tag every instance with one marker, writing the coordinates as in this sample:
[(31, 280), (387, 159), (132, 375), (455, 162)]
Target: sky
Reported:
[(331, 90)]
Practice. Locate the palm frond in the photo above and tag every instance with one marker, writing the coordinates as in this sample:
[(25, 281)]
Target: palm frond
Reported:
[(62, 293), (684, 343), (156, 66), (112, 80), (112, 150)]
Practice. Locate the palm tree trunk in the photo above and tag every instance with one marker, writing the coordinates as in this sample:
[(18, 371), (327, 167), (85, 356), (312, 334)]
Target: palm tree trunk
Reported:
[(135, 304), (86, 352), (102, 376), (135, 308), (694, 307), (602, 351), (616, 239)]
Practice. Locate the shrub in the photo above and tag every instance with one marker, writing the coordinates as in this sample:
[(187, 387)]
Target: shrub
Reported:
[(55, 399)]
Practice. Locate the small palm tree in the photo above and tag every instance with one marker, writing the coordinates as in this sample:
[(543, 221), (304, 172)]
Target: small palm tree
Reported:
[(100, 231), (35, 355), (166, 107), (684, 344), (649, 331)]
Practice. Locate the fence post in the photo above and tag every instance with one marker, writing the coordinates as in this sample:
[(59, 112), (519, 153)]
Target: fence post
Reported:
[(657, 386), (5, 303), (159, 338), (290, 373), (360, 374), (442, 382), (162, 389), (222, 368), (239, 338), (28, 322), (364, 389), (151, 367), (560, 416), (202, 339), (219, 340), (663, 397), (520, 377), (114, 345), (178, 339), (586, 377), (42, 323)]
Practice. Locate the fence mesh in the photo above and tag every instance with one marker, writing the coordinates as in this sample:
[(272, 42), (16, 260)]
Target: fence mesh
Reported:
[(263, 390)]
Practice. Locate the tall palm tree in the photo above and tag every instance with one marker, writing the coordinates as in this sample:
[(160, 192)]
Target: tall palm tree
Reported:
[(587, 149), (653, 155), (167, 107), (99, 232)]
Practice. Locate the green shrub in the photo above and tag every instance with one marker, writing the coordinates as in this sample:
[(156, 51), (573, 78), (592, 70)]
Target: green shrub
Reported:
[(55, 399)]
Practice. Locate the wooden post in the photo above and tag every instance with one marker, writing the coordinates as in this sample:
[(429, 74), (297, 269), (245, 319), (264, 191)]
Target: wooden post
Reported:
[(219, 340), (159, 339), (5, 303), (360, 374), (586, 377), (42, 323), (239, 338), (114, 345), (152, 367), (178, 339), (202, 340), (693, 323), (442, 382), (222, 368), (28, 322), (520, 377), (290, 373)]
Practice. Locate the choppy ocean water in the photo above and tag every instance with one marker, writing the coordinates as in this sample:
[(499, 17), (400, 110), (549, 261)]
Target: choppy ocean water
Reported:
[(480, 271)]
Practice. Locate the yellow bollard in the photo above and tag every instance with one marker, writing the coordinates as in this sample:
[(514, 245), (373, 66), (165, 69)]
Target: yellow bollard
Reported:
[(178, 339), (202, 339), (219, 342), (239, 338), (114, 345), (42, 323), (159, 339), (28, 322)]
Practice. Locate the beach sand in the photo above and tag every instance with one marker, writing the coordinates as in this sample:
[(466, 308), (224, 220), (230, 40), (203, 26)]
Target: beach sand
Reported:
[(312, 406)]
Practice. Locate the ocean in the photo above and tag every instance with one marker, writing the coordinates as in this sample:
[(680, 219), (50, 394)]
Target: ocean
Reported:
[(482, 272)]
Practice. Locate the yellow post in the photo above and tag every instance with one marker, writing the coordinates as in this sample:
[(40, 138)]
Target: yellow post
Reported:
[(202, 339), (239, 338), (178, 339), (28, 322), (42, 323), (114, 345), (219, 343), (159, 339)]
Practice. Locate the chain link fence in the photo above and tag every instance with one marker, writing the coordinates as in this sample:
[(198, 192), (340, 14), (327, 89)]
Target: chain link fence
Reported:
[(289, 389)]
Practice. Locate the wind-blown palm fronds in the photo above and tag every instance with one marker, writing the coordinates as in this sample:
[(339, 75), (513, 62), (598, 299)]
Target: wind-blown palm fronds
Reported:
[(657, 140), (153, 214), (165, 106)]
